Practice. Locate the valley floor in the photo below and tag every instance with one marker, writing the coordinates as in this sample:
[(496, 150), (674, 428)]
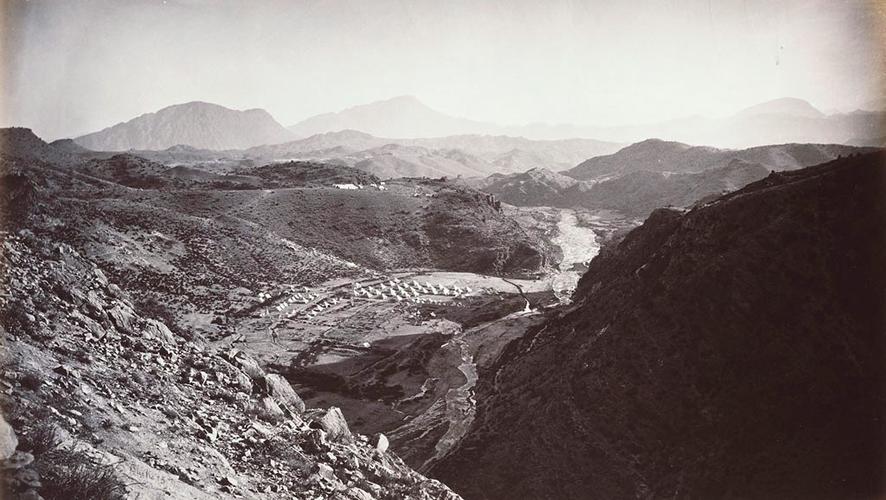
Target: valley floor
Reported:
[(407, 366)]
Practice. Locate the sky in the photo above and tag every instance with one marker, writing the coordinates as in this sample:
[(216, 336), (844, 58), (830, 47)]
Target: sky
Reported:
[(72, 67)]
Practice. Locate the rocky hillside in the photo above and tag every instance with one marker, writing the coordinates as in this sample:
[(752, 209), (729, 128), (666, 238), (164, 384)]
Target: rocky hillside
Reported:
[(196, 124), (536, 187), (112, 385), (734, 350), (654, 155), (637, 194), (102, 401)]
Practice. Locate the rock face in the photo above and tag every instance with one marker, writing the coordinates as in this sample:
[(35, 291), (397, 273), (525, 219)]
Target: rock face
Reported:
[(196, 124), (735, 350)]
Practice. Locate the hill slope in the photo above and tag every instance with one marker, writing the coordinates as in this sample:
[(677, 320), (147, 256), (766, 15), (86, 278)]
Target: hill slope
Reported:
[(734, 351), (22, 143), (196, 124)]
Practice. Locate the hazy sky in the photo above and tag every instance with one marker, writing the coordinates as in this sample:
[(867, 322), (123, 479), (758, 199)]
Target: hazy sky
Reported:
[(72, 67)]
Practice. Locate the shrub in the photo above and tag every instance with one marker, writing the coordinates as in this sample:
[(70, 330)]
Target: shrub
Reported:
[(40, 438), (71, 475)]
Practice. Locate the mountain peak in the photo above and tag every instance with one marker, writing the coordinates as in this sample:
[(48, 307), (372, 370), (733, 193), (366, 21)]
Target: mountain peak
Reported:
[(791, 106), (402, 99), (655, 145), (402, 116), (198, 124)]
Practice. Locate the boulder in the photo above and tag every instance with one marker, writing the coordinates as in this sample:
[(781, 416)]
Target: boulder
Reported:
[(159, 330), (335, 425), (358, 494), (18, 460), (8, 440), (268, 409), (326, 472), (94, 306), (279, 388), (100, 277), (71, 295), (250, 366), (381, 443), (122, 317)]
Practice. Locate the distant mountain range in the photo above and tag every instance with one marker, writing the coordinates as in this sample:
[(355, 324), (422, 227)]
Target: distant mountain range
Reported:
[(465, 155), (655, 155), (653, 174), (209, 126), (196, 124), (403, 116), (777, 121)]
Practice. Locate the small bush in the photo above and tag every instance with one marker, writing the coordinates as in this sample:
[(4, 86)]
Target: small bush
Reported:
[(31, 380), (71, 475), (40, 438)]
